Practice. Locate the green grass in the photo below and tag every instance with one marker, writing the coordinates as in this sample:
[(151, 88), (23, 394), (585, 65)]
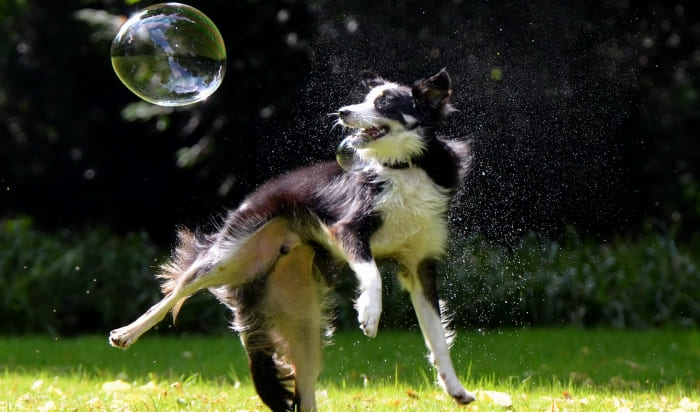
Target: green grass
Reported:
[(541, 369)]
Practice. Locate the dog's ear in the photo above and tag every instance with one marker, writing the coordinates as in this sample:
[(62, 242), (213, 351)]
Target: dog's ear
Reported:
[(434, 93), (371, 79)]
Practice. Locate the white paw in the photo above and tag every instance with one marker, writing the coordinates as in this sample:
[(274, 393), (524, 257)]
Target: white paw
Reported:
[(120, 338), (369, 310), (462, 396), (456, 390)]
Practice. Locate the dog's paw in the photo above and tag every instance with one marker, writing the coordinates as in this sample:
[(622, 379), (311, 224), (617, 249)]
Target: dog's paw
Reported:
[(454, 388), (368, 312), (120, 338), (463, 396)]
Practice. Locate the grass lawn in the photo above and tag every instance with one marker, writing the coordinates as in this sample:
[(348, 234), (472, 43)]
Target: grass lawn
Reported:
[(522, 370)]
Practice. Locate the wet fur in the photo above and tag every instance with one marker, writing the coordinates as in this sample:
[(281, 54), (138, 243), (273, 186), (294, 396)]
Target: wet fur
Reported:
[(269, 259)]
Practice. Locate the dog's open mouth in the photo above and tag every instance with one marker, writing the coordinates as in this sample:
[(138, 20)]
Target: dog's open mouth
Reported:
[(376, 132)]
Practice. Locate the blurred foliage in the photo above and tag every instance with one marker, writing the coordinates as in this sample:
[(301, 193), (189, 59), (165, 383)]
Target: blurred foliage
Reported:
[(91, 281), (86, 281), (70, 282), (649, 282)]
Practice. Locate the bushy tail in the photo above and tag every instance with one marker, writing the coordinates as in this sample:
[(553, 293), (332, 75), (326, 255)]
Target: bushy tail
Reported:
[(189, 247), (273, 377)]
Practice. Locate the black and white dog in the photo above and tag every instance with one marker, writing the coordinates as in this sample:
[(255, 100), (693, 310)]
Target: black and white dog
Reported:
[(267, 261)]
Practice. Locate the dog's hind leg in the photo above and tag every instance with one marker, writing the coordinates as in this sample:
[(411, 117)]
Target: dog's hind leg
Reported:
[(283, 338), (230, 262), (422, 286), (295, 295), (127, 335)]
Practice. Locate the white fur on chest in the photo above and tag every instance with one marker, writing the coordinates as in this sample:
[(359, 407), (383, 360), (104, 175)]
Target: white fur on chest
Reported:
[(414, 210)]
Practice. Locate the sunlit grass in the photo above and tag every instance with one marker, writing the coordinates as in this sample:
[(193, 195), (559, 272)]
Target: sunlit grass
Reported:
[(530, 370)]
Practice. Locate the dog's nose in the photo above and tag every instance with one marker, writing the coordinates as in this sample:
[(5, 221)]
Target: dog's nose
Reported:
[(344, 113)]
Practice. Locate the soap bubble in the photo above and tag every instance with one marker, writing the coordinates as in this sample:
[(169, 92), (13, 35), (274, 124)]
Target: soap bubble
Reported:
[(346, 154), (169, 54)]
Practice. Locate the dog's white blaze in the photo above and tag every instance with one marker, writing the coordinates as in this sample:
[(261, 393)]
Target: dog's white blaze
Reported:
[(413, 208), (363, 115), (378, 91)]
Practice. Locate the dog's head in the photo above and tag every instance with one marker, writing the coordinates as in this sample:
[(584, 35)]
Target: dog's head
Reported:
[(394, 122)]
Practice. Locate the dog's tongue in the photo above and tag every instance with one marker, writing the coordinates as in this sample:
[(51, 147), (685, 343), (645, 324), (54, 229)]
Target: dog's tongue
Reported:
[(373, 132)]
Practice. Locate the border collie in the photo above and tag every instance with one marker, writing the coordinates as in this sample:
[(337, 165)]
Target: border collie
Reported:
[(270, 258)]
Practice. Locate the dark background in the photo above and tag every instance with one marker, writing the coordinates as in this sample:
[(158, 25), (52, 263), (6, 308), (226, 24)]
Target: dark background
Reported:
[(593, 122)]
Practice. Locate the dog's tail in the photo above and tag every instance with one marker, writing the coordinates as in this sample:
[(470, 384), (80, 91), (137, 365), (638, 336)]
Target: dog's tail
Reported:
[(189, 248)]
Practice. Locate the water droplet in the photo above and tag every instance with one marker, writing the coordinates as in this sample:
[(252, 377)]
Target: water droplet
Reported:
[(170, 55), (351, 25), (283, 16)]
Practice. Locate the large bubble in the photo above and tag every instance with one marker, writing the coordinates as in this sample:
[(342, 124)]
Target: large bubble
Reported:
[(169, 54)]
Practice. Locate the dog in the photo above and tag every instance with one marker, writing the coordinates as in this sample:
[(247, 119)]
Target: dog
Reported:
[(269, 260)]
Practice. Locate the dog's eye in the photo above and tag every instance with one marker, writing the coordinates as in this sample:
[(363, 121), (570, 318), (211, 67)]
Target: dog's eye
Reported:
[(382, 102)]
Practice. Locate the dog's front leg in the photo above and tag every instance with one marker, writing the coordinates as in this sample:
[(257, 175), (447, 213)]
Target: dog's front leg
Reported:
[(369, 302), (353, 239), (422, 285)]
